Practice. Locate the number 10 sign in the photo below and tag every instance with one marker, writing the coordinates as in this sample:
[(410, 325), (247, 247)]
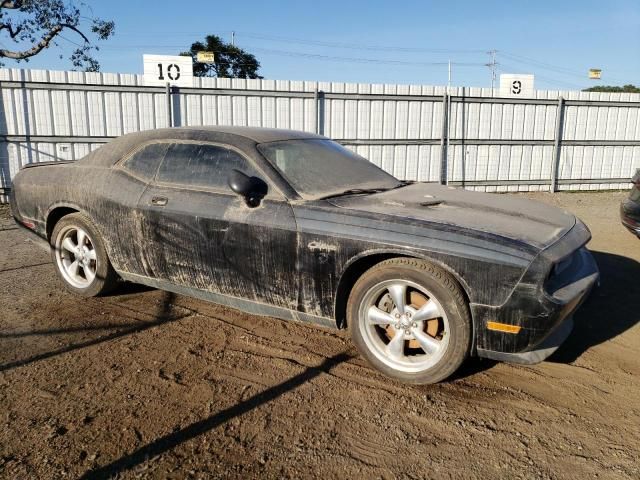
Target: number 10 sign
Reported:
[(173, 69)]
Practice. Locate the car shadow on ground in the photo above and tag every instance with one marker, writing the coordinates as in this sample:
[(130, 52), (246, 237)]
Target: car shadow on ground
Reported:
[(164, 314), (173, 439), (129, 288), (611, 309)]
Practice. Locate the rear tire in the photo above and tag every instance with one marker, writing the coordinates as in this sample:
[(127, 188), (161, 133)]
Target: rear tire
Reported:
[(410, 320), (80, 258)]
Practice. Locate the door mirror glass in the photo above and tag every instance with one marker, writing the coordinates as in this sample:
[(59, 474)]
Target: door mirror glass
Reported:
[(252, 189)]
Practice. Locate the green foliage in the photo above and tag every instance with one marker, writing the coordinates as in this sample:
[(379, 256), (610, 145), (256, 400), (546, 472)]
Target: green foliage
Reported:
[(35, 25), (610, 88), (230, 61)]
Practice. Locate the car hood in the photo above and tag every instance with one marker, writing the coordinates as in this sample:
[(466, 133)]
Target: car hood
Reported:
[(510, 216)]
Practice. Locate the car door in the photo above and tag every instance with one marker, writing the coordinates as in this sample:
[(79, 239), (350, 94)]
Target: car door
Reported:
[(132, 176), (200, 234)]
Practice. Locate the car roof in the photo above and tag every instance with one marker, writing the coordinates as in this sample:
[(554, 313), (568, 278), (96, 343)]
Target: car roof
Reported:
[(245, 138), (257, 134)]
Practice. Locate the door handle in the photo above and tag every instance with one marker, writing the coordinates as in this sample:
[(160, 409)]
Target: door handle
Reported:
[(159, 201)]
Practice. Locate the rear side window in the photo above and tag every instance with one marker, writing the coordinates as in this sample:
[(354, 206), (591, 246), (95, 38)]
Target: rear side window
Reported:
[(201, 165), (145, 161)]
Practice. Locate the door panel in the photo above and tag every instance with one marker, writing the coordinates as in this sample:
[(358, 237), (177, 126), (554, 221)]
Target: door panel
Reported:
[(214, 242), (259, 248), (182, 231)]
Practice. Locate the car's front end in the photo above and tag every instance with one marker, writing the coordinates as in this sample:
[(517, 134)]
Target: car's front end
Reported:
[(630, 207), (538, 315), (524, 264)]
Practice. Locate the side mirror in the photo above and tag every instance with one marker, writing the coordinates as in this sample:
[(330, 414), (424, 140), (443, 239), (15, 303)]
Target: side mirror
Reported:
[(253, 189)]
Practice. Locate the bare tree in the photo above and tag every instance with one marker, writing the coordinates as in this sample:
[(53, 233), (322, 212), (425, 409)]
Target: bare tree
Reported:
[(35, 25)]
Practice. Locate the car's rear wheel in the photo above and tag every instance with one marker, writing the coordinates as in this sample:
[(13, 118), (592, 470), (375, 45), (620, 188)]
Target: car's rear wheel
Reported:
[(410, 320), (80, 257)]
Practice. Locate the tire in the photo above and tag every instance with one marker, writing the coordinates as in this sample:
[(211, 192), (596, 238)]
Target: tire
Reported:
[(92, 274), (432, 330)]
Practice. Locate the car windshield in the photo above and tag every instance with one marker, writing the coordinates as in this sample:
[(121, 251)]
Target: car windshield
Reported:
[(318, 168)]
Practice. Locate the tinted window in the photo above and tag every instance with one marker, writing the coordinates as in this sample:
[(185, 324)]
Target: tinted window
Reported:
[(144, 162), (201, 165)]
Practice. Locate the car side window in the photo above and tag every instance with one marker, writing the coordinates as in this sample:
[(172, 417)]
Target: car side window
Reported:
[(200, 165), (145, 161)]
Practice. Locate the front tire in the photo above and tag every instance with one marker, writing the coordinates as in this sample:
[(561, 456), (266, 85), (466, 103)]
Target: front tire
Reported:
[(80, 257), (410, 320)]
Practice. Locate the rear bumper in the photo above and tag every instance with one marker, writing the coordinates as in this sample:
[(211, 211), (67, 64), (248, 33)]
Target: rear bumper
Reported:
[(545, 319)]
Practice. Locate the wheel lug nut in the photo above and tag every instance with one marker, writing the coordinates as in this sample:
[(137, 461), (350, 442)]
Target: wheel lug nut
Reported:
[(414, 325), (397, 315)]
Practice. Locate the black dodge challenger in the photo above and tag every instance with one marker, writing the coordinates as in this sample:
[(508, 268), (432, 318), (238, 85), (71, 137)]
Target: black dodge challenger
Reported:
[(293, 225)]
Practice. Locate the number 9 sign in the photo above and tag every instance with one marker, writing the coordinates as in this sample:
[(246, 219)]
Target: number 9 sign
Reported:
[(517, 85), (171, 69)]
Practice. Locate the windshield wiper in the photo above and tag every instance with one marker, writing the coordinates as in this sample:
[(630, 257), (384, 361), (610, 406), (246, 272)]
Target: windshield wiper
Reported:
[(404, 183), (355, 191)]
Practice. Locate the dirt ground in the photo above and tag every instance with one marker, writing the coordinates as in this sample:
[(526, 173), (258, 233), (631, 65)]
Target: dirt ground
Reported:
[(146, 384)]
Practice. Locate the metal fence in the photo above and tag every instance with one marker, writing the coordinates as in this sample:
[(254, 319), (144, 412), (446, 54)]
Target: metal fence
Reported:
[(557, 140)]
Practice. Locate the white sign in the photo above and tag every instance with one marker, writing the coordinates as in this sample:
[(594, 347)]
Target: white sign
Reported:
[(173, 69), (514, 85)]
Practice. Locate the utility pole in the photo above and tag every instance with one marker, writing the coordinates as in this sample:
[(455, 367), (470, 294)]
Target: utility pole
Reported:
[(493, 66), (233, 39)]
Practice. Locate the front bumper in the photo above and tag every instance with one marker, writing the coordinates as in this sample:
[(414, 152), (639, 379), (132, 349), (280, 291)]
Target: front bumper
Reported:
[(541, 311), (630, 216)]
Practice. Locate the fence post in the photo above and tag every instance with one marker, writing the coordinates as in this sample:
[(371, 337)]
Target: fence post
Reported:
[(169, 102), (444, 154), (557, 145), (320, 112), (316, 102)]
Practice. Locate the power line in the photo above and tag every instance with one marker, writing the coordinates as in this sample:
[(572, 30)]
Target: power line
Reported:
[(319, 56), (356, 46), (548, 66), (319, 43), (309, 55)]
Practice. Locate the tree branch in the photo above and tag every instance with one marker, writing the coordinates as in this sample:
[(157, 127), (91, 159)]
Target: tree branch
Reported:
[(10, 4), (12, 33), (42, 44)]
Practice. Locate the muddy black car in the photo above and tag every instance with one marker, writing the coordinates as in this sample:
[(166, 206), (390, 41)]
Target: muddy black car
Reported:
[(630, 207), (295, 226)]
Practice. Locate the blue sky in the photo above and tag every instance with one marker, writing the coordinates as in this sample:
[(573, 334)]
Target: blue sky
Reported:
[(350, 41)]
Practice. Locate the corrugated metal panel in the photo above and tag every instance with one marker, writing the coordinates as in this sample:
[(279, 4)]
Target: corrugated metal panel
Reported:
[(492, 140)]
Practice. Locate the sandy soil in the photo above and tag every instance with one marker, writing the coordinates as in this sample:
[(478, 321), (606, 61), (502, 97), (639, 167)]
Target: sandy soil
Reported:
[(146, 384)]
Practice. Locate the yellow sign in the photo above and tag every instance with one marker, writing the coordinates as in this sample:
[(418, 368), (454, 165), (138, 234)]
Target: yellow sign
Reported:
[(205, 57), (595, 73)]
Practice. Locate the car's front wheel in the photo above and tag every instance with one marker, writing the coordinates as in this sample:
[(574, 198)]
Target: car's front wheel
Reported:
[(80, 257), (410, 320)]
